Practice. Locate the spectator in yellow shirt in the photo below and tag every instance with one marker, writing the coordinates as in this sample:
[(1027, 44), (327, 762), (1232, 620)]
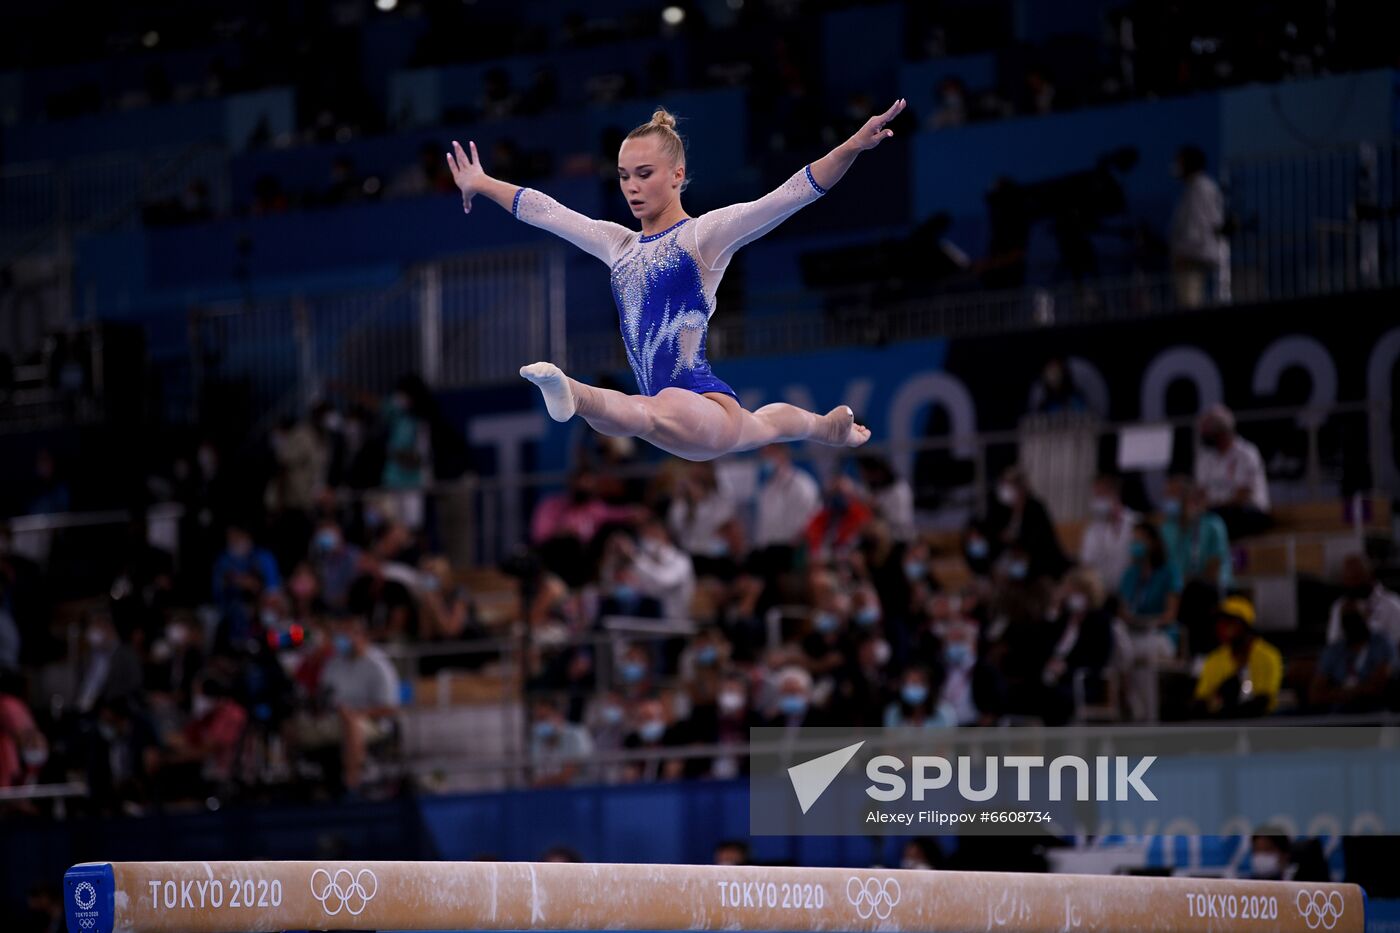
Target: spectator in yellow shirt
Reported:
[(1242, 677)]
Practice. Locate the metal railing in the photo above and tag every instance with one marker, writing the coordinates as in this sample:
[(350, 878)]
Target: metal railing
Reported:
[(1319, 223), (502, 503), (44, 200), (462, 322)]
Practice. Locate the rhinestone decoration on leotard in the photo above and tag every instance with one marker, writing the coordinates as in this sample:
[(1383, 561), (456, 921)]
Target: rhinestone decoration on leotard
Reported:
[(664, 284)]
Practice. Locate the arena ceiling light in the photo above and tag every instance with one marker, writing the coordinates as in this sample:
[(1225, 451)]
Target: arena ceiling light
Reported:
[(385, 5), (673, 16)]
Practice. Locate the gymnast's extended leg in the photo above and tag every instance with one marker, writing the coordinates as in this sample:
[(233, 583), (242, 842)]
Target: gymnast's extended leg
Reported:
[(681, 422)]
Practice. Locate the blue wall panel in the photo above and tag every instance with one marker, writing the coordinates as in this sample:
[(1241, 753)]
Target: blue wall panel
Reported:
[(229, 120), (918, 81), (955, 168), (1283, 119), (861, 51)]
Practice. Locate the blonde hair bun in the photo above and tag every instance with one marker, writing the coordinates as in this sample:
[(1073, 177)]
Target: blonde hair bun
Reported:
[(663, 117)]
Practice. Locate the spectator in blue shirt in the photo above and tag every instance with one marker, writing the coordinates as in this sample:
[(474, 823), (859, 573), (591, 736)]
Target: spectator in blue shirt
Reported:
[(1351, 674), (243, 573), (1198, 548), (1151, 584)]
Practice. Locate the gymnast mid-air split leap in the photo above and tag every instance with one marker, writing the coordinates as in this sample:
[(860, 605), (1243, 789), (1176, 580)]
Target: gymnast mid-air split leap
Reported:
[(664, 281)]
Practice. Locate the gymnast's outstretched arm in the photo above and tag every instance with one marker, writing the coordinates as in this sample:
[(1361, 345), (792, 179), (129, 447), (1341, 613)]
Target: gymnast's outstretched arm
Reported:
[(721, 232), (598, 238)]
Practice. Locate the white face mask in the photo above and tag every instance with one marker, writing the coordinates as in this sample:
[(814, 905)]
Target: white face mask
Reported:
[(96, 638), (201, 706), (913, 864), (1265, 865), (35, 757), (1006, 494), (881, 652), (731, 701)]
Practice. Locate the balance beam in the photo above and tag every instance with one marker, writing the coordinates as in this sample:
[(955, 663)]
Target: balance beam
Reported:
[(257, 897)]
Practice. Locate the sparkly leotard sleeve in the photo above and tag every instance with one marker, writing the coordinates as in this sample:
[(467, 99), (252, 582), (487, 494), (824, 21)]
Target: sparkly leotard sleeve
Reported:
[(664, 284), (600, 238)]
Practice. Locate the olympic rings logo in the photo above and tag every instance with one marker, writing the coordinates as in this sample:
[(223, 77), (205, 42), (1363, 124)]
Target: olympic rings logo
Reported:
[(1320, 908), (873, 897), (85, 895), (343, 890)]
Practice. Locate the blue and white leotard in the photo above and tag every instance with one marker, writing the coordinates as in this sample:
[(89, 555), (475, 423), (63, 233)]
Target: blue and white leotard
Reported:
[(664, 284)]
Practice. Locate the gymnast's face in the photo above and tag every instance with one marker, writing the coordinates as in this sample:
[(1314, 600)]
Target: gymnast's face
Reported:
[(649, 180)]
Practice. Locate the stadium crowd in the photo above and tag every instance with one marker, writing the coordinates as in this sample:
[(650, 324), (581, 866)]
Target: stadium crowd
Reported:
[(258, 662)]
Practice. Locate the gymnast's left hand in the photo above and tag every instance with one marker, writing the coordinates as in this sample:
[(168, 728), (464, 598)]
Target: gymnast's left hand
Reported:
[(467, 172), (874, 131)]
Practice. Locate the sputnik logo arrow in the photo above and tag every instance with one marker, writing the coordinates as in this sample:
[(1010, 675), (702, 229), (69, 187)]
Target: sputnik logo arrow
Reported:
[(811, 778)]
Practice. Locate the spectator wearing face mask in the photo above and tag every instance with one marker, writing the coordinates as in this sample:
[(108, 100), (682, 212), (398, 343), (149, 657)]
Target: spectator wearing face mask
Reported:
[(952, 108), (788, 499), (1351, 674), (1149, 587), (891, 497), (336, 563), (620, 592), (898, 572), (1273, 857), (792, 701), (969, 686), (918, 705), (205, 752), (836, 530), (1081, 645), (703, 519), (607, 724), (654, 733), (1231, 471), (565, 525), (634, 672), (1243, 676), (1362, 593), (726, 721), (661, 570), (1148, 597), (861, 693), (111, 668), (1019, 599), (361, 698), (830, 641), (559, 749), (702, 661), (978, 551), (1019, 519), (242, 574), (408, 460), (1198, 548), (1109, 534)]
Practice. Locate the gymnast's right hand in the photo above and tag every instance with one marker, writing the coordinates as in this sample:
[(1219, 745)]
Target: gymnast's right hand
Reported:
[(466, 172)]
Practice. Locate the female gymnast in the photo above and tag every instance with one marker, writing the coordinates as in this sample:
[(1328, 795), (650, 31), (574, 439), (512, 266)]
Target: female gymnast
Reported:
[(664, 281)]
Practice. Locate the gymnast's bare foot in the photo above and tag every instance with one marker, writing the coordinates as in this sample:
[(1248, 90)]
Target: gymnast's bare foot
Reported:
[(840, 429), (554, 386)]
